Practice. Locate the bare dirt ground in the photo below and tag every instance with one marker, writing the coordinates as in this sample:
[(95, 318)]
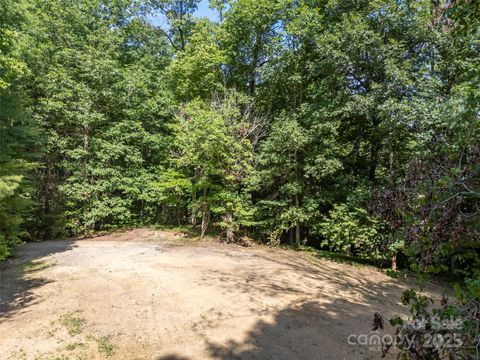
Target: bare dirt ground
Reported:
[(147, 294)]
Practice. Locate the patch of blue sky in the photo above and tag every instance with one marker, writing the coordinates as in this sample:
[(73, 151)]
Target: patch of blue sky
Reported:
[(202, 11)]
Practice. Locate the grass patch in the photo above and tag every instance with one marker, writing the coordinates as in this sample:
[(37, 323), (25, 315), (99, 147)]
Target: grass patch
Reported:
[(20, 355), (47, 357), (75, 345), (342, 258), (394, 274), (105, 346), (32, 266), (72, 323)]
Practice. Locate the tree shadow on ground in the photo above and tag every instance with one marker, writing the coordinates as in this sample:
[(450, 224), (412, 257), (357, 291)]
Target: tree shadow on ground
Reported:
[(23, 273), (308, 331), (308, 278), (332, 302)]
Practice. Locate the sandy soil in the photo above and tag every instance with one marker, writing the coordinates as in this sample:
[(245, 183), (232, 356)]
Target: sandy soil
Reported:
[(152, 295)]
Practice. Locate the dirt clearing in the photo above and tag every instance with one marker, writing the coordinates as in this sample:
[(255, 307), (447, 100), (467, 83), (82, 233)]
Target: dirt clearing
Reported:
[(153, 295)]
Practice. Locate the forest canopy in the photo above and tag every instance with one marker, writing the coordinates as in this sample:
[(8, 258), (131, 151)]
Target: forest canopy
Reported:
[(345, 125)]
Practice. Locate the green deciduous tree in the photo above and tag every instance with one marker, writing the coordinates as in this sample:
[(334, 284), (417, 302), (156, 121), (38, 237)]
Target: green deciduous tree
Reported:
[(196, 71), (102, 111), (346, 125), (213, 150), (15, 130), (179, 14)]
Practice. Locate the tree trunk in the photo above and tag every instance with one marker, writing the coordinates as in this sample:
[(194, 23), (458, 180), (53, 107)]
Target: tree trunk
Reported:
[(375, 146), (374, 151), (391, 172), (193, 218), (297, 202), (297, 224), (452, 264), (254, 64), (205, 214), (205, 220), (394, 262), (84, 174), (229, 234)]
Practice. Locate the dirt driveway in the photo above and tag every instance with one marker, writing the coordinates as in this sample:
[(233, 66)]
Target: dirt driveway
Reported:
[(148, 295)]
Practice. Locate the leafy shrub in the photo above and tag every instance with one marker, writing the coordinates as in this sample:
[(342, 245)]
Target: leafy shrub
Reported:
[(351, 230), (450, 331)]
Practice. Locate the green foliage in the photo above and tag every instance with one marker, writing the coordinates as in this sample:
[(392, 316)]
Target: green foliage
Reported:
[(278, 168), (448, 330), (195, 72), (103, 114), (179, 14), (352, 231), (213, 151), (347, 125), (15, 130)]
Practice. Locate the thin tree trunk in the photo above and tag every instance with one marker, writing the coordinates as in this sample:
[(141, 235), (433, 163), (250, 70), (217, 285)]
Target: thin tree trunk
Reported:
[(47, 201), (375, 146), (391, 162), (394, 262), (193, 218), (254, 64), (204, 225), (205, 214), (205, 221), (452, 264), (297, 203), (84, 174), (228, 220), (297, 225), (374, 151)]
